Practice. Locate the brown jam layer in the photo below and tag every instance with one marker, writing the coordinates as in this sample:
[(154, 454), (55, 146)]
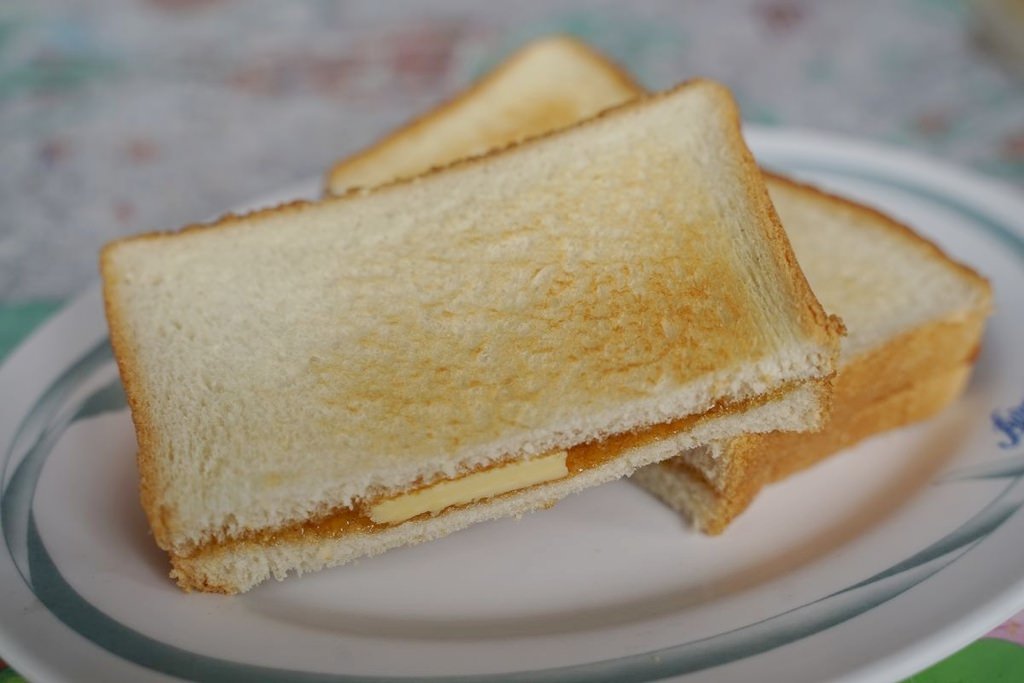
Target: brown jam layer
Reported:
[(345, 521)]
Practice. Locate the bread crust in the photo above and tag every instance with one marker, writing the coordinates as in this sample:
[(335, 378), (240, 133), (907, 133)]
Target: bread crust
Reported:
[(826, 329), (145, 431), (412, 128)]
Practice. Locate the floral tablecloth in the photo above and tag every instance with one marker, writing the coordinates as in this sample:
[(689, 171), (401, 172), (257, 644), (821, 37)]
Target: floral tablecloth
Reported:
[(118, 116)]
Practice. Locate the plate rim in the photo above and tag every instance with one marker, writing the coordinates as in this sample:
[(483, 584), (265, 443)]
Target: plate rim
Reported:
[(923, 651)]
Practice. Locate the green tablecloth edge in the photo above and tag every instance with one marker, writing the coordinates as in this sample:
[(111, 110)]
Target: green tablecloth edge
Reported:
[(18, 320)]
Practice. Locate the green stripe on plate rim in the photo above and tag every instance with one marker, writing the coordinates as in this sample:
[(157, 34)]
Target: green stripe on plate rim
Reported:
[(47, 420)]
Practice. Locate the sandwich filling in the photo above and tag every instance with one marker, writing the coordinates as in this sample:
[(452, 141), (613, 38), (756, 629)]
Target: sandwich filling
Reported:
[(472, 487), (484, 484)]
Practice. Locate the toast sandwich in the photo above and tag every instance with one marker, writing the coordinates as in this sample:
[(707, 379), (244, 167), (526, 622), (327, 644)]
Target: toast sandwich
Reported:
[(323, 381)]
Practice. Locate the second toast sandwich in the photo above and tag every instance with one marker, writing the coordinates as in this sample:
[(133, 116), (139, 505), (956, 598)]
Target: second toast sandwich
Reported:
[(914, 321)]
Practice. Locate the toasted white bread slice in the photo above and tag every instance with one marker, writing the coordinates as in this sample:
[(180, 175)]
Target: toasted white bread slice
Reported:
[(611, 293), (915, 317), (532, 92)]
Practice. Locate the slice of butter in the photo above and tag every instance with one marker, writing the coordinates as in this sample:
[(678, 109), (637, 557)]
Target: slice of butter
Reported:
[(472, 487)]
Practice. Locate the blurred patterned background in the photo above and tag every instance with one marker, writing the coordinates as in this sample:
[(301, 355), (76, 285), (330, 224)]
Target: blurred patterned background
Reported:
[(119, 116)]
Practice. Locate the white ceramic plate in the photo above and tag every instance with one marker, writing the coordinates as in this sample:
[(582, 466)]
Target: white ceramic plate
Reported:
[(868, 567)]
